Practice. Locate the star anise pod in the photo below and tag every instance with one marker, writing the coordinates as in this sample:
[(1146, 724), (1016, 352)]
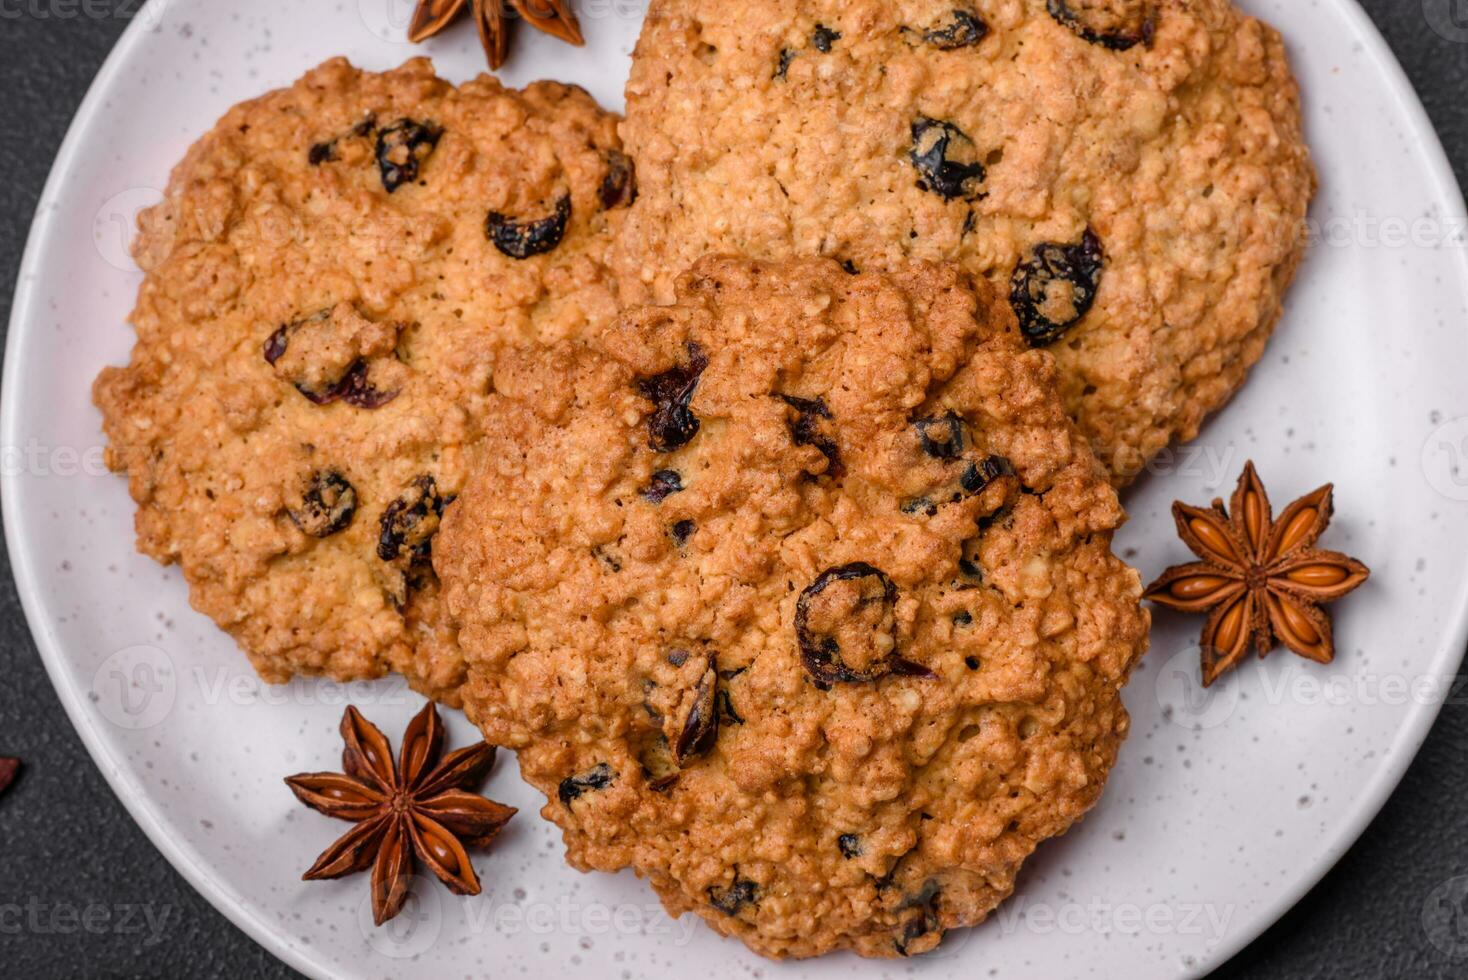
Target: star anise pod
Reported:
[(1260, 580), (555, 17), (418, 807)]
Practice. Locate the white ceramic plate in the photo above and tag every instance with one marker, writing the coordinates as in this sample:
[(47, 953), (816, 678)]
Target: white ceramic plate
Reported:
[(1224, 810)]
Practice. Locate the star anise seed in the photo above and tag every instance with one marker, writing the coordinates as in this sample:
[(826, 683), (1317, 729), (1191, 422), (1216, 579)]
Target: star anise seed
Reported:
[(432, 16), (420, 806), (554, 17), (1261, 581)]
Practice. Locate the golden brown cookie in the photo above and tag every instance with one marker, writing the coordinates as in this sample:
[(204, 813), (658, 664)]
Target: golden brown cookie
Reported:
[(329, 279), (799, 601), (1131, 174)]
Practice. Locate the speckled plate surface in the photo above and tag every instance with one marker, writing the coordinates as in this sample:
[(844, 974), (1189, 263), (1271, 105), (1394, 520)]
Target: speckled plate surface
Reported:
[(1226, 807)]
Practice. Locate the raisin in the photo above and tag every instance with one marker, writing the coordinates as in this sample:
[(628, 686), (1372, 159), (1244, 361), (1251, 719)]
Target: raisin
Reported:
[(1052, 290), (327, 506), (966, 30), (701, 727), (850, 845), (326, 152), (941, 436), (677, 657), (920, 505), (738, 894), (356, 390), (682, 531), (873, 607), (964, 618), (849, 267), (727, 714), (522, 239), (672, 423), (276, 344), (1108, 37), (619, 186), (886, 881), (977, 476), (409, 523), (353, 386), (925, 919), (401, 150), (931, 142), (812, 428), (663, 485), (823, 38), (599, 776), (786, 57), (325, 397), (661, 784)]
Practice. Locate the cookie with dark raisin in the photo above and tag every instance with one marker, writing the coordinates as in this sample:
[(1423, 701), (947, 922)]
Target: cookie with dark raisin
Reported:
[(329, 282), (695, 600), (1131, 174)]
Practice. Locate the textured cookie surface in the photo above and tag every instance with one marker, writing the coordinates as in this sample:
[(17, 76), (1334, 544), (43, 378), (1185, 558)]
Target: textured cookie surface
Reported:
[(327, 284), (1131, 173), (799, 600)]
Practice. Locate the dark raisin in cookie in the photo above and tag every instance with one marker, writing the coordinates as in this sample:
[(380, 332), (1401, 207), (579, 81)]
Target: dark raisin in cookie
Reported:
[(318, 329), (1132, 173), (790, 693)]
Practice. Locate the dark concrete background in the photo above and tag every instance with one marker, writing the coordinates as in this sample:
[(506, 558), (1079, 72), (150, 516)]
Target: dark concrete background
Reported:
[(66, 842)]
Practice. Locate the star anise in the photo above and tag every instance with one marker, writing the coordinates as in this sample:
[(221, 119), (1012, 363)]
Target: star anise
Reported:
[(555, 17), (418, 807), (1260, 580)]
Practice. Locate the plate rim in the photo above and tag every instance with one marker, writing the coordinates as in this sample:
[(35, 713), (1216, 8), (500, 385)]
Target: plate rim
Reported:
[(184, 860), (1382, 784)]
